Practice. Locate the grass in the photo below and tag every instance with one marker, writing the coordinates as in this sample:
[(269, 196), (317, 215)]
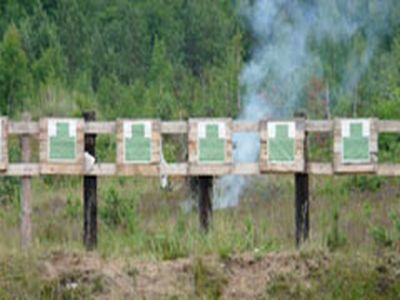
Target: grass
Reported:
[(136, 219)]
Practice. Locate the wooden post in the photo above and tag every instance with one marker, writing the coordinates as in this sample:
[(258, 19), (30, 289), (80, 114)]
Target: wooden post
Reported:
[(26, 190), (90, 192), (302, 197), (205, 203)]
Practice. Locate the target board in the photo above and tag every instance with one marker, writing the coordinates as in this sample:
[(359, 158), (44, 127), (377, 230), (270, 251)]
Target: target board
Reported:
[(138, 147), (356, 143), (282, 146), (62, 146), (210, 146)]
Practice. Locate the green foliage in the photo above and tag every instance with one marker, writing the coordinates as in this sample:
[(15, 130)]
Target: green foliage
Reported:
[(335, 238), (345, 278), (164, 59), (364, 183), (15, 79), (387, 236), (118, 211)]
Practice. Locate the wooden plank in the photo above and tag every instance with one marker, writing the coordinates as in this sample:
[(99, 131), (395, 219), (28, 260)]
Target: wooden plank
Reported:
[(388, 170), (103, 169), (150, 168), (174, 127), (26, 191), (267, 166), (174, 169), (99, 127), (388, 126), (246, 169), (205, 201), (319, 125), (24, 127), (351, 168), (317, 168), (215, 170), (90, 191), (22, 169), (4, 143), (181, 127), (245, 126)]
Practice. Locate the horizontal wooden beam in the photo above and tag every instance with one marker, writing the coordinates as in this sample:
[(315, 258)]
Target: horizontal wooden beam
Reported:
[(181, 127), (182, 169), (23, 127), (319, 126), (100, 127), (389, 126), (388, 170), (177, 127), (317, 168), (245, 126)]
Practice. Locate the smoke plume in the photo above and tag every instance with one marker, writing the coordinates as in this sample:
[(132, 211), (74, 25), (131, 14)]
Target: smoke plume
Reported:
[(296, 40)]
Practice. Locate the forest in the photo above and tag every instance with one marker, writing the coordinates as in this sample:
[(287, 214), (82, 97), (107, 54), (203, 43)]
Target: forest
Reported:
[(182, 59), (177, 59)]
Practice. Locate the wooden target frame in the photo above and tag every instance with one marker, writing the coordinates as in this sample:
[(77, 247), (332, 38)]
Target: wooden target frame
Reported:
[(298, 164), (341, 166), (198, 167), (50, 165), (150, 168)]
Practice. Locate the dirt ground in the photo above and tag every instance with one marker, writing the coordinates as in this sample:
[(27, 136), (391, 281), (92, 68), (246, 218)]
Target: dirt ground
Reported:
[(242, 277)]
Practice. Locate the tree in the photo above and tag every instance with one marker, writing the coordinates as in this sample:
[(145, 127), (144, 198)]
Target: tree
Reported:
[(15, 78)]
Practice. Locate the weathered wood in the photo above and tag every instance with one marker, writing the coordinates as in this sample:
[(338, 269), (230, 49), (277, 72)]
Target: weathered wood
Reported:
[(176, 127), (301, 207), (345, 168), (316, 168), (388, 126), (174, 169), (205, 201), (22, 169), (4, 144), (266, 166), (196, 167), (192, 167), (245, 126), (47, 166), (146, 169), (319, 126), (302, 196), (246, 169), (90, 193), (26, 191), (388, 170), (100, 127), (23, 127)]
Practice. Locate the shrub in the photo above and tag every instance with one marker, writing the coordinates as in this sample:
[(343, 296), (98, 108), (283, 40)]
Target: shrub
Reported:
[(118, 210)]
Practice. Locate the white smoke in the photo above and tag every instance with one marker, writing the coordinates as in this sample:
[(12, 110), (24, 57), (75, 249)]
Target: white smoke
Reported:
[(283, 62)]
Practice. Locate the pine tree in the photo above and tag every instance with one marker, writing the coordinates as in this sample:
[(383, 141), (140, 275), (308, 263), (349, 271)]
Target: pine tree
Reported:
[(15, 78)]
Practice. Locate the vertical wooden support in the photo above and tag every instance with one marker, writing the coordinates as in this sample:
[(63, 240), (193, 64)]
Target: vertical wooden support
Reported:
[(205, 201), (302, 197), (90, 192), (26, 190)]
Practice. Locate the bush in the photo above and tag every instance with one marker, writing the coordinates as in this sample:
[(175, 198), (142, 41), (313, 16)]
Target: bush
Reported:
[(118, 210)]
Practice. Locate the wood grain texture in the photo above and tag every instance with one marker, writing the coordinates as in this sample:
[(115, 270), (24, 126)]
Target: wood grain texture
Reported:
[(298, 166), (355, 168), (4, 144), (198, 168), (145, 169), (26, 191), (76, 167)]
